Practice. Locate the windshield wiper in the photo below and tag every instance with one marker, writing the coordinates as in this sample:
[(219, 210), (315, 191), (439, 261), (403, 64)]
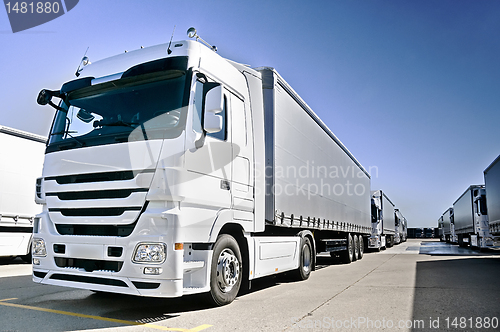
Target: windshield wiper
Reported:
[(119, 123)]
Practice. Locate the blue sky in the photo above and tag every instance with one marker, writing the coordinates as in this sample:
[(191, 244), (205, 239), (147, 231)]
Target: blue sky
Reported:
[(412, 88)]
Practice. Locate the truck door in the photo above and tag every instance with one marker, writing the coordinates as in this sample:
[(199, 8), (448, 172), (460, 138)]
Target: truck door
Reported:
[(210, 165)]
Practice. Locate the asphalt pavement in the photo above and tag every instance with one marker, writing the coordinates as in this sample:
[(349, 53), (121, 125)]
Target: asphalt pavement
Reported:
[(419, 285)]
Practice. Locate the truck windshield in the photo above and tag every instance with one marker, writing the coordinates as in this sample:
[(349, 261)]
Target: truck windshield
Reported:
[(150, 106)]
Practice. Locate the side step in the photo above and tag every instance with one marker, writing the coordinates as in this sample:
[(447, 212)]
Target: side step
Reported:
[(191, 266)]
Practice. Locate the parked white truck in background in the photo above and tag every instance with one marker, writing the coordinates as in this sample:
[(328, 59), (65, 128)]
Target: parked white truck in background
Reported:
[(399, 226), (171, 170), (21, 160), (492, 186), (441, 235), (383, 221), (449, 226), (471, 218)]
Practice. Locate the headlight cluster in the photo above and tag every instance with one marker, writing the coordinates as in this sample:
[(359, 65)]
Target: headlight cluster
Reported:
[(38, 248), (150, 253)]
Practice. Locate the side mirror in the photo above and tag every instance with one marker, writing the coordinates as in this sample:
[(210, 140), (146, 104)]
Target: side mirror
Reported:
[(214, 99), (212, 122), (44, 97)]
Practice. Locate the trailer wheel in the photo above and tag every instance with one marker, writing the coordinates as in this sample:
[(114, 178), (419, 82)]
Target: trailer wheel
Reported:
[(226, 271), (306, 260), (347, 255), (355, 241), (361, 247)]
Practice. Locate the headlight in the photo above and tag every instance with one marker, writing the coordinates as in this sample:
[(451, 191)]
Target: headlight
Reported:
[(38, 248), (150, 253)]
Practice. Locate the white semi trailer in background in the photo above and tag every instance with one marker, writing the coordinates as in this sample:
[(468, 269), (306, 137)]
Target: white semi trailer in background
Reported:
[(471, 218), (492, 186), (170, 170), (21, 160), (383, 221)]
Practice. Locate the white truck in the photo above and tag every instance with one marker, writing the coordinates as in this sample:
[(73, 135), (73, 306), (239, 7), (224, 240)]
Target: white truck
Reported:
[(383, 221), (404, 230), (471, 218), (399, 226), (171, 170), (21, 160), (449, 226), (441, 229), (492, 186)]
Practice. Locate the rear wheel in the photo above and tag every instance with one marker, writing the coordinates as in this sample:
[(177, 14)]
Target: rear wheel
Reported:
[(226, 271), (355, 241), (361, 247), (306, 260), (346, 256)]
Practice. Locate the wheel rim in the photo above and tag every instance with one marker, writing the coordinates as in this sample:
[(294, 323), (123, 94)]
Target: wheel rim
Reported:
[(228, 270), (306, 258)]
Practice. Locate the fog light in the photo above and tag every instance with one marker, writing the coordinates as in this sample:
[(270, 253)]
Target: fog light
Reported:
[(153, 270), (36, 261), (150, 253), (38, 248)]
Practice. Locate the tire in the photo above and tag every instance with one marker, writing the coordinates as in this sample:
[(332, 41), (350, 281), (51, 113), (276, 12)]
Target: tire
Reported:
[(355, 241), (361, 242), (226, 271), (306, 260), (347, 255)]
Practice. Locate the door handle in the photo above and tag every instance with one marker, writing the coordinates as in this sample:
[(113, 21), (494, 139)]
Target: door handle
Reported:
[(224, 185)]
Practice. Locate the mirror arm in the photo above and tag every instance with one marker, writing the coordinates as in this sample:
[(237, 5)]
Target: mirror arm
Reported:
[(57, 107)]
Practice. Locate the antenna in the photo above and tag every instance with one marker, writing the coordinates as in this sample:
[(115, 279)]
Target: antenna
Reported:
[(85, 61), (168, 49)]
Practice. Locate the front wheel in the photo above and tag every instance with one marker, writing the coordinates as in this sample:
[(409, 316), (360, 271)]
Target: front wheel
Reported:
[(226, 271)]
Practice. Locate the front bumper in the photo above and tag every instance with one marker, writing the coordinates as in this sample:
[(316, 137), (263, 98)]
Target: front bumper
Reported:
[(104, 263)]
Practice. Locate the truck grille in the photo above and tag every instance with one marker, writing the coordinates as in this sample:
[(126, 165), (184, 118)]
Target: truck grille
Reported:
[(107, 203), (93, 177)]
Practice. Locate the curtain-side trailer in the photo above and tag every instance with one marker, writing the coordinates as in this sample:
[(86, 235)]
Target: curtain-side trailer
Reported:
[(228, 177), (492, 187), (21, 159)]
